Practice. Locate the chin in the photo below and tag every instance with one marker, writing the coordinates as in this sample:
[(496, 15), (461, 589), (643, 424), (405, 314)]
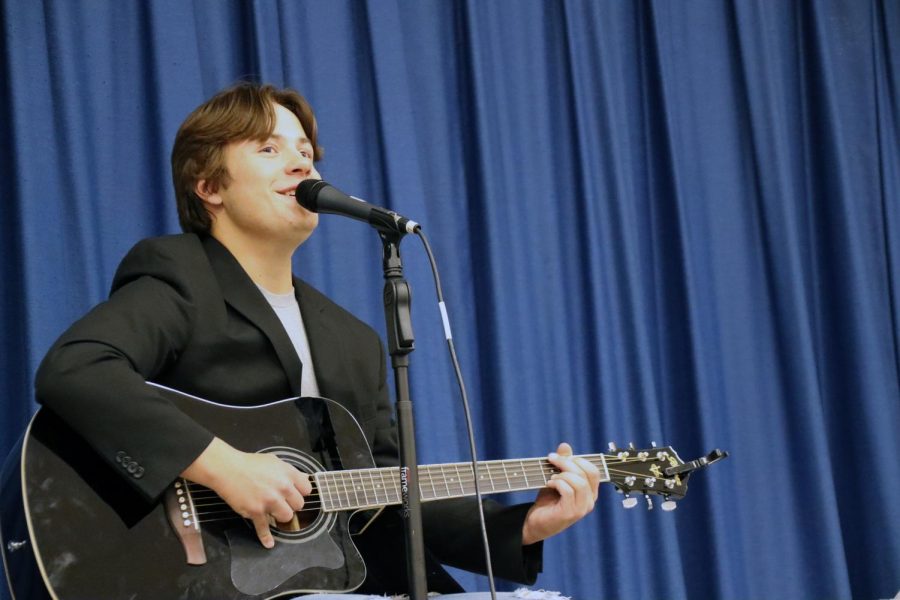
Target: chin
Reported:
[(306, 229)]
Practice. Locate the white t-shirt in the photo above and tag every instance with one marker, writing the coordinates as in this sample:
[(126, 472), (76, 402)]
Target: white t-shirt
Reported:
[(288, 311)]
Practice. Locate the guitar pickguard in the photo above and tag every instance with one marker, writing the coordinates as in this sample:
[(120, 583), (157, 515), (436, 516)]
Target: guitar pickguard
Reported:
[(256, 570)]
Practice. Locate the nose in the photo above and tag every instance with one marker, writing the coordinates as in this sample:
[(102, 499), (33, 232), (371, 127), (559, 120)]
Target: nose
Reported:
[(299, 162)]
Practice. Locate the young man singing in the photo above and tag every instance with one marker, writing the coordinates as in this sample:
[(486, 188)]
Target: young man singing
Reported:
[(216, 312)]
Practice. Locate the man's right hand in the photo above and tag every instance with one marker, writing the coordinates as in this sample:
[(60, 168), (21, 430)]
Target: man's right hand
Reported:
[(256, 486)]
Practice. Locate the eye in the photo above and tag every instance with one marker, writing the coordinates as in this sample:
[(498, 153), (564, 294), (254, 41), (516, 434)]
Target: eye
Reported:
[(268, 149)]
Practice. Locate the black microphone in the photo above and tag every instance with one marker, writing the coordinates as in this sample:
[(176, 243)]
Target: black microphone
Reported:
[(319, 197)]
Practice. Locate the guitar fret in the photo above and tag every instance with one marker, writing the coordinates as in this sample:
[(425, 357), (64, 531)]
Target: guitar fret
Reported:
[(469, 478), (434, 493), (387, 490), (355, 486), (459, 478), (524, 472), (366, 481), (487, 468), (374, 487), (324, 490), (515, 475), (327, 486), (387, 485), (506, 474), (333, 490), (424, 473), (395, 485), (361, 487), (347, 503), (444, 477), (370, 486), (366, 488), (353, 496)]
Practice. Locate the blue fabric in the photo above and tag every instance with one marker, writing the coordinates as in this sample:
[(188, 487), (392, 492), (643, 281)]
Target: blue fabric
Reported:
[(657, 220)]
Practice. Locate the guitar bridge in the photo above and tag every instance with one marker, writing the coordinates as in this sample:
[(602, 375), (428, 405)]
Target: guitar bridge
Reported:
[(183, 518)]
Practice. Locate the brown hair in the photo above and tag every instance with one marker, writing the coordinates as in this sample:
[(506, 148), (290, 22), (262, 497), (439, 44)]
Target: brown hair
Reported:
[(245, 111)]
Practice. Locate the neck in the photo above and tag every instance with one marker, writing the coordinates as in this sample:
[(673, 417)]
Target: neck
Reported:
[(267, 264), (366, 488)]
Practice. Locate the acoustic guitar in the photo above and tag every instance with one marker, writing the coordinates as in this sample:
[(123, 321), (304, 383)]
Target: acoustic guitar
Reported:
[(72, 528)]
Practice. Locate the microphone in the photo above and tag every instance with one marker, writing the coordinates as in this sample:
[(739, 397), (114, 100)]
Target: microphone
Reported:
[(319, 197)]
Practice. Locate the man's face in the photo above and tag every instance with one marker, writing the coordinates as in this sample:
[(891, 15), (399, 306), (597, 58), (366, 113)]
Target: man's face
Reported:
[(258, 203)]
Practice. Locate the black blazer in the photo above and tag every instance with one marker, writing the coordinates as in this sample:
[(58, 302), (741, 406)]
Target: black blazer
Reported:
[(183, 313)]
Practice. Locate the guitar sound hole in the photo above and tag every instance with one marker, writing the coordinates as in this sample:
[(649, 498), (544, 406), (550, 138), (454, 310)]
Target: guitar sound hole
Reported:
[(310, 521), (306, 517)]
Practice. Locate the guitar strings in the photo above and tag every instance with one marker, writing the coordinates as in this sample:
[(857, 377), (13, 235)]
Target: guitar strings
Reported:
[(430, 475)]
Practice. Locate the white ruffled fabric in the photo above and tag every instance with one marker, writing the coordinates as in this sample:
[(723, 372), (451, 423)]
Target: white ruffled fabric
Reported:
[(519, 594)]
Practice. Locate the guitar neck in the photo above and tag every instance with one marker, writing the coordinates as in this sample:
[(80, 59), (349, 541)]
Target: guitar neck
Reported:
[(355, 489)]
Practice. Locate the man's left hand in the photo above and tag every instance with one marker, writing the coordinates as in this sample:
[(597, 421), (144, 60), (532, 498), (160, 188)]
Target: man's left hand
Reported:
[(568, 497)]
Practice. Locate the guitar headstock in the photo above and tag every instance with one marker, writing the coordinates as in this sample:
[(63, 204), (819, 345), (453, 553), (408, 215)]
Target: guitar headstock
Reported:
[(643, 471), (653, 471)]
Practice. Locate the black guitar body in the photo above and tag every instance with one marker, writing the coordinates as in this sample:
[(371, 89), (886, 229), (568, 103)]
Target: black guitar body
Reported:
[(82, 531), (19, 563)]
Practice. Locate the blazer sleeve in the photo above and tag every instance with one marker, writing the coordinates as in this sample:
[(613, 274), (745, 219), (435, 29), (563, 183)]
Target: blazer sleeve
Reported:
[(453, 533), (94, 375), (452, 528)]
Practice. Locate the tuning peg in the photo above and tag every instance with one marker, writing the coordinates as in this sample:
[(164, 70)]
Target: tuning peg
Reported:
[(649, 501), (631, 446), (668, 505), (629, 502), (613, 448), (653, 444)]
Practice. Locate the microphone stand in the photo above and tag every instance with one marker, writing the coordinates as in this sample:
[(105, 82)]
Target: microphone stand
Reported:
[(397, 301)]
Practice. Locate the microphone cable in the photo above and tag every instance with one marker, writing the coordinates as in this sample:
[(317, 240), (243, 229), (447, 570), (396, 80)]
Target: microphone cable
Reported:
[(465, 402)]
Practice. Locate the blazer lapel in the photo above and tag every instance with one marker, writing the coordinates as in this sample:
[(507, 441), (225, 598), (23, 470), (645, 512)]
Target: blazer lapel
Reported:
[(324, 337), (242, 294)]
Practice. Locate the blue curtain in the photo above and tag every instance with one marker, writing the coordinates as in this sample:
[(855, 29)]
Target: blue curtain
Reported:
[(670, 221)]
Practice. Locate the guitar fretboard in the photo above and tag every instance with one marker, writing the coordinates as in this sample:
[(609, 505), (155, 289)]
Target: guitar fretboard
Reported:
[(372, 488)]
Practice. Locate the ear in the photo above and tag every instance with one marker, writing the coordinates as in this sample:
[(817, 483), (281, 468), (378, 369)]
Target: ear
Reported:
[(208, 192)]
